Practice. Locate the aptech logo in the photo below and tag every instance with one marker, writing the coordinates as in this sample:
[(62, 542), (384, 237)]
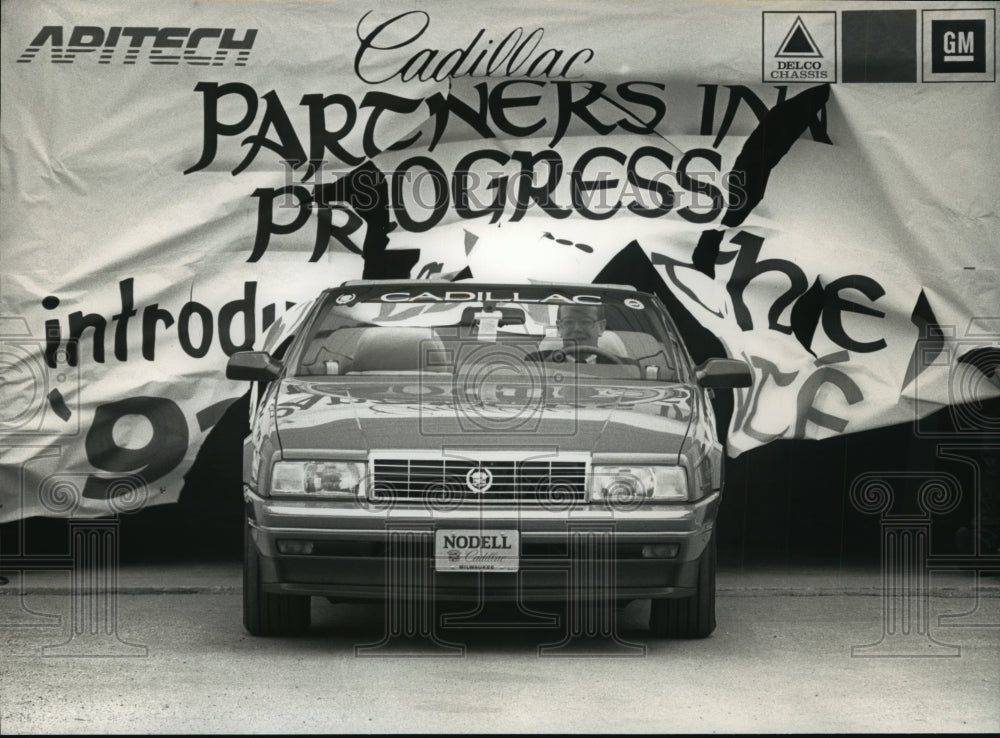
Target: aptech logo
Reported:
[(128, 44)]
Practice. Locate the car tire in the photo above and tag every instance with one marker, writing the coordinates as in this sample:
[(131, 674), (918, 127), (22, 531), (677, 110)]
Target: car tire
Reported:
[(266, 613), (689, 617)]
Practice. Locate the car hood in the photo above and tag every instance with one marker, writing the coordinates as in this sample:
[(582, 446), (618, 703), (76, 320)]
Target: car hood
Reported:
[(368, 414)]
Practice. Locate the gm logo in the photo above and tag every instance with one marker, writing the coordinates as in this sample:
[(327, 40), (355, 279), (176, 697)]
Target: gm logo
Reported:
[(959, 45)]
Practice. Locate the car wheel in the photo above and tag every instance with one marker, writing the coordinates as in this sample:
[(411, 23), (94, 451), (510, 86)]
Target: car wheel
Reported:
[(266, 613), (689, 617)]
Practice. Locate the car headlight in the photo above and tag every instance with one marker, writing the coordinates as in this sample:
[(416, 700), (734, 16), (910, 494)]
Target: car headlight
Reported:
[(319, 478), (624, 485)]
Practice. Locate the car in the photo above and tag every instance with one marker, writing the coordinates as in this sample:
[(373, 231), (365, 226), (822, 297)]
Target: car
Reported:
[(494, 427)]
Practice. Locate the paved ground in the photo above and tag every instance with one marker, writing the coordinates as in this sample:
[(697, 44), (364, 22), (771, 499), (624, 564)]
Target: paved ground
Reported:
[(784, 658)]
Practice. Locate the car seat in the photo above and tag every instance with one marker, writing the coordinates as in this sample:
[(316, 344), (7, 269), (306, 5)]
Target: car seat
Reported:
[(397, 349)]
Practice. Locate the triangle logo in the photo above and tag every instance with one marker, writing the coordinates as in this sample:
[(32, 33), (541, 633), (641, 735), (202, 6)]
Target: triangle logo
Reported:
[(799, 43)]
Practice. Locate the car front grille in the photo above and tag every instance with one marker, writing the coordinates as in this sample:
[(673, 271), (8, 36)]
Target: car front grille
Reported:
[(483, 481)]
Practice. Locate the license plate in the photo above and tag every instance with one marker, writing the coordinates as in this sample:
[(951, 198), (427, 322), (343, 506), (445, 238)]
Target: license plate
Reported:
[(477, 550)]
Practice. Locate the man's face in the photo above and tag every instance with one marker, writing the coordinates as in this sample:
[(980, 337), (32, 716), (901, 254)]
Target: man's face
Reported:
[(580, 323)]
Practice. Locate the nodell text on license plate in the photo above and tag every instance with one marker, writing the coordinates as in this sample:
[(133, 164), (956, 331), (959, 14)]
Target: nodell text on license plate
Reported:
[(476, 550)]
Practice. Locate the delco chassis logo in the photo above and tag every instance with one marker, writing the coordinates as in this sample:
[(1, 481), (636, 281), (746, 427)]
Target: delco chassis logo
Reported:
[(128, 44)]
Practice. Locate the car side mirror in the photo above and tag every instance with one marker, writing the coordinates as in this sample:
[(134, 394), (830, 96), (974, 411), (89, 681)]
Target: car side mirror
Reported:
[(252, 366), (723, 374)]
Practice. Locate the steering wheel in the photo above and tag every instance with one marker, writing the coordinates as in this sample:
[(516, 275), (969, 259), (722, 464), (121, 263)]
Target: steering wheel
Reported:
[(578, 352)]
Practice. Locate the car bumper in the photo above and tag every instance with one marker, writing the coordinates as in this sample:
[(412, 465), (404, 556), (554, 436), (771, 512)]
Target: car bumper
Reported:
[(586, 552)]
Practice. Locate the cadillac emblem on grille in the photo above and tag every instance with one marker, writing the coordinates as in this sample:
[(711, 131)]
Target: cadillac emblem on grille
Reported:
[(479, 479)]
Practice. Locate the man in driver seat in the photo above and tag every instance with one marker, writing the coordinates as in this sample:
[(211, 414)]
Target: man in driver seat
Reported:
[(580, 328)]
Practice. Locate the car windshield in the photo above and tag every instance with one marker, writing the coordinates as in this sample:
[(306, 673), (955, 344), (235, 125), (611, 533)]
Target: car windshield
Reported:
[(451, 329)]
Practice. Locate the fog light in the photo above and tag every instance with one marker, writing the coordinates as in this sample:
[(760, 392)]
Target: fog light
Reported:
[(660, 551), (295, 547)]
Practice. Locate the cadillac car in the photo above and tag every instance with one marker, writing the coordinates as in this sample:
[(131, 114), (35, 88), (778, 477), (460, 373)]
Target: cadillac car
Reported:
[(471, 441)]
